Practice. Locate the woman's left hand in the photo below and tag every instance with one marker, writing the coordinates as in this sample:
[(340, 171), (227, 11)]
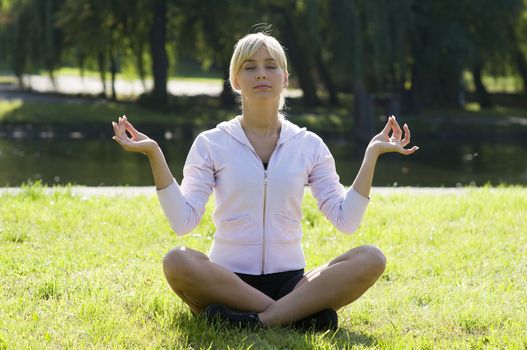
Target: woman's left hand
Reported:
[(385, 143)]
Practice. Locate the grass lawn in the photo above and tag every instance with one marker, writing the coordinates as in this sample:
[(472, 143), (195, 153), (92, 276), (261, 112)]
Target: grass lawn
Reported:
[(188, 113), (85, 272)]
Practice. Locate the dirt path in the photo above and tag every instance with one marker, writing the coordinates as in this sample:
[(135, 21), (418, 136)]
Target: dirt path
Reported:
[(74, 85)]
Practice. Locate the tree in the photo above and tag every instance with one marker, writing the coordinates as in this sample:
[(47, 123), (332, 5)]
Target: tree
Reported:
[(158, 51), (30, 39), (289, 18), (205, 33), (491, 29), (83, 20)]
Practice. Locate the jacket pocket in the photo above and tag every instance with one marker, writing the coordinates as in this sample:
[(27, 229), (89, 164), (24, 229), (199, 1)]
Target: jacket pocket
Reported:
[(237, 229), (285, 228)]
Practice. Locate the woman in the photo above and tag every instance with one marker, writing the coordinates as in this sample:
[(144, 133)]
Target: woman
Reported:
[(258, 164)]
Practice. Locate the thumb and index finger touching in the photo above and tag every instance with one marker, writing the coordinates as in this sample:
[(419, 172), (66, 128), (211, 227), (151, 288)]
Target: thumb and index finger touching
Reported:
[(122, 125)]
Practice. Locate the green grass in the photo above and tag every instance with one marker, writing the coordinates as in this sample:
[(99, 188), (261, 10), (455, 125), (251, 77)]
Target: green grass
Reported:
[(186, 112), (207, 111), (7, 79), (510, 84), (17, 111), (85, 272)]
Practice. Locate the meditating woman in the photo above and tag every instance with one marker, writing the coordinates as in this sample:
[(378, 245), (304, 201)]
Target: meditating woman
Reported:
[(258, 165)]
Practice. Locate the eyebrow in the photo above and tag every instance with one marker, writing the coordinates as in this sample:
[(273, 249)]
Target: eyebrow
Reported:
[(250, 60)]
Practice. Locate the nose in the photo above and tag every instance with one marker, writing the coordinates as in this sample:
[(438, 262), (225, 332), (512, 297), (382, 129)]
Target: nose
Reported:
[(260, 74)]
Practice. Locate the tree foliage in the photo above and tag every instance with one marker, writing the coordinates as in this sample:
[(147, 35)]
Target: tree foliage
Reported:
[(410, 52)]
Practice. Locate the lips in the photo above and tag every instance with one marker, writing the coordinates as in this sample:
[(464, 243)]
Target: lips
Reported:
[(261, 86)]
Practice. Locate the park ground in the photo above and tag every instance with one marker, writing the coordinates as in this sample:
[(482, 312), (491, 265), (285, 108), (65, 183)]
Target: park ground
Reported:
[(81, 269)]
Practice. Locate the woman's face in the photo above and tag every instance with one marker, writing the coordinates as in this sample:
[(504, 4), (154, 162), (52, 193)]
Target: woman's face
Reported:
[(261, 78)]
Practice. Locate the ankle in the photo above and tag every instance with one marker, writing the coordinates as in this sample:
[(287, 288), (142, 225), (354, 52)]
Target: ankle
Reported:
[(264, 319)]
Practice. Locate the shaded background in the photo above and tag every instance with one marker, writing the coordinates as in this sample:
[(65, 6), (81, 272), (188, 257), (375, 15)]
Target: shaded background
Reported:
[(456, 71)]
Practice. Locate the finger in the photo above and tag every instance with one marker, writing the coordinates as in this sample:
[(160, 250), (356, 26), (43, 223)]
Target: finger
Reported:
[(124, 142), (409, 151), (397, 132), (118, 140), (122, 128), (388, 126), (130, 128), (407, 136), (115, 128), (118, 129)]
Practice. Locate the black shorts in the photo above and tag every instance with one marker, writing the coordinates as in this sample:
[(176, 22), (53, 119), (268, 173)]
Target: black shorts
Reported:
[(274, 285)]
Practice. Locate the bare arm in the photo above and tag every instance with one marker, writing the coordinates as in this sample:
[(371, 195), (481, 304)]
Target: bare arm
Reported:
[(139, 142), (382, 143)]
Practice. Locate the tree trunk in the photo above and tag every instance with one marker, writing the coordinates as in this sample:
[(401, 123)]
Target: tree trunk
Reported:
[(519, 58), (102, 72), (521, 64), (140, 63), (52, 79), (299, 55), (326, 78), (49, 45), (435, 85), (159, 55), (363, 102), (113, 71), (80, 63), (481, 91)]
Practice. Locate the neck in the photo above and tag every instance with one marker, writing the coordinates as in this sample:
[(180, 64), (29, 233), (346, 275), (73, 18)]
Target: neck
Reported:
[(261, 119)]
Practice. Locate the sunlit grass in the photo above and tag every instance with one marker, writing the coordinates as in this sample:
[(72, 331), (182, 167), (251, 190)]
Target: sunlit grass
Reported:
[(9, 107), (508, 84), (186, 113), (7, 79), (85, 272)]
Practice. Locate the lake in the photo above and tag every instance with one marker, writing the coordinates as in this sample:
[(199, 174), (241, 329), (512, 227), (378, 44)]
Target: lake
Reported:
[(457, 160)]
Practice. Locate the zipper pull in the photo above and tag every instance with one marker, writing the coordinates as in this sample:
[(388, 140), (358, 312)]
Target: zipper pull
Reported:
[(265, 178)]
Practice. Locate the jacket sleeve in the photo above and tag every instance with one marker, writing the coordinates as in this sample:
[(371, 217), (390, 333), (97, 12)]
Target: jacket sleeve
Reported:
[(184, 205), (344, 209)]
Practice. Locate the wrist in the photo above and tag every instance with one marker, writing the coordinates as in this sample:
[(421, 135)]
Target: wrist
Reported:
[(372, 151), (154, 151)]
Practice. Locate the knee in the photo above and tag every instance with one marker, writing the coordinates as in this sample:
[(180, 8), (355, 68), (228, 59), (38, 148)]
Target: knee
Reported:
[(374, 260), (177, 263)]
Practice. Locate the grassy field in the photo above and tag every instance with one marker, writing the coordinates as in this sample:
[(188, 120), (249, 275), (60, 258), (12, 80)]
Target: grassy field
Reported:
[(85, 272), (188, 113)]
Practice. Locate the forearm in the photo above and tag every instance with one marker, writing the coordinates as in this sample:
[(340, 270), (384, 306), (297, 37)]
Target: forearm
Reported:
[(160, 170), (363, 181)]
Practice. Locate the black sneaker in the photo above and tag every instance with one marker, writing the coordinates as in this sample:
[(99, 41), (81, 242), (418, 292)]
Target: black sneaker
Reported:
[(321, 321), (242, 319)]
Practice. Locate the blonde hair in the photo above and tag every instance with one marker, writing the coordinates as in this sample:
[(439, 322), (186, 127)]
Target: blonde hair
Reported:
[(247, 47)]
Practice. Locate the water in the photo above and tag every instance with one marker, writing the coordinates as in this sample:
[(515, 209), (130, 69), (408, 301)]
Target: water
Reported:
[(102, 162)]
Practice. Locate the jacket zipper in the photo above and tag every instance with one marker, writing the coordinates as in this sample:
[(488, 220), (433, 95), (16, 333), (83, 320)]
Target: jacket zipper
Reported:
[(266, 180)]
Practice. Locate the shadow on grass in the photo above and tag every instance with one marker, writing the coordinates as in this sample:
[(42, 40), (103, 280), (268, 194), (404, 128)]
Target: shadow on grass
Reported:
[(194, 332)]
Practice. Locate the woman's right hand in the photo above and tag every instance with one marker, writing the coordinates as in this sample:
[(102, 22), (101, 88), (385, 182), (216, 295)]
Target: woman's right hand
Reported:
[(138, 142)]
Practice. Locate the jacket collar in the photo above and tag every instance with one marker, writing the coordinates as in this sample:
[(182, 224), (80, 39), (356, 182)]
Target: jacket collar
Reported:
[(234, 128)]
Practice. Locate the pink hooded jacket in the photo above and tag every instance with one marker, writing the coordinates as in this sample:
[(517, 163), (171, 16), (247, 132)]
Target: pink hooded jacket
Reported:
[(258, 212)]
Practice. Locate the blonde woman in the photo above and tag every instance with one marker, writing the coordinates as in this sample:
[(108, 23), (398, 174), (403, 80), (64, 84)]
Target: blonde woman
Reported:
[(258, 164)]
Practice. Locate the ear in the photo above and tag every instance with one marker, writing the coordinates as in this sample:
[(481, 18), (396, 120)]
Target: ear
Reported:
[(235, 83), (286, 80)]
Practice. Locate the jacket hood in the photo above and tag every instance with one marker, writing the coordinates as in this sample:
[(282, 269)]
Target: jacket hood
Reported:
[(233, 127)]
